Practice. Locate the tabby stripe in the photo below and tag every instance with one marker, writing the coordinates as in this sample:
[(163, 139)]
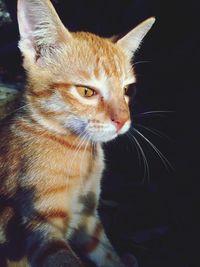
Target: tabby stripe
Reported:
[(47, 113), (51, 137), (93, 243), (65, 143), (53, 214), (61, 86), (44, 217), (54, 190), (44, 93), (84, 74), (108, 70), (62, 173), (96, 70)]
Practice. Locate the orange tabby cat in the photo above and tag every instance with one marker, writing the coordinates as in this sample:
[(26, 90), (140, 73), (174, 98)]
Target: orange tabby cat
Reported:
[(51, 160)]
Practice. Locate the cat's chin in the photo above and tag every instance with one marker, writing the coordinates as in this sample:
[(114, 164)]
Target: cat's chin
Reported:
[(103, 139)]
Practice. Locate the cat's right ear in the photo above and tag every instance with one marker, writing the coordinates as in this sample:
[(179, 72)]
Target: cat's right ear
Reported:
[(40, 29), (132, 40)]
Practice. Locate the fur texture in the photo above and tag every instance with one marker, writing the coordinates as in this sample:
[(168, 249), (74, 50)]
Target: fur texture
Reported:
[(51, 160)]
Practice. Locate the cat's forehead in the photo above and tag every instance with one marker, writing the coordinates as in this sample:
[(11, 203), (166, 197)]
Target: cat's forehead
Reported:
[(102, 52), (102, 60), (92, 61)]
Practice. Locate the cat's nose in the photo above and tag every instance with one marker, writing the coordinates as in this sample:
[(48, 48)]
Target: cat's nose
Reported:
[(119, 124), (119, 121)]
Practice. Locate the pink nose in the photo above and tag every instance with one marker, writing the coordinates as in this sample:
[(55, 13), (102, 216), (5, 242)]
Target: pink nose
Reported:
[(119, 117), (119, 123)]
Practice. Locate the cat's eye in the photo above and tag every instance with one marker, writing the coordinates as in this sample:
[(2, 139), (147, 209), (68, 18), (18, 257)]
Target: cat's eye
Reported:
[(85, 91)]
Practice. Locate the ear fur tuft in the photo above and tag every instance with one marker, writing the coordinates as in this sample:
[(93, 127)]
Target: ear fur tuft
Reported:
[(39, 26)]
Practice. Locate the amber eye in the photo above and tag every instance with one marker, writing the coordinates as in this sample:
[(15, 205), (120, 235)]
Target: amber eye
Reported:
[(85, 91)]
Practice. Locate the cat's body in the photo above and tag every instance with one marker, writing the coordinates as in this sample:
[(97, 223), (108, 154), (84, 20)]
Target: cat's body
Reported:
[(51, 160), (41, 188)]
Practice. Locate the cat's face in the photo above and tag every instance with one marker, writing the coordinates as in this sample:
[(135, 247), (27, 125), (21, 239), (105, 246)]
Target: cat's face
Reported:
[(85, 88), (77, 81)]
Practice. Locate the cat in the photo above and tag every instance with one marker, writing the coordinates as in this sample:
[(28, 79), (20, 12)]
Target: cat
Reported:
[(51, 160)]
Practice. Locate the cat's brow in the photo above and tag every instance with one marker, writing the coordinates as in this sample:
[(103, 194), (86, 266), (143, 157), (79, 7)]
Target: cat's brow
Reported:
[(87, 86), (68, 85), (58, 85)]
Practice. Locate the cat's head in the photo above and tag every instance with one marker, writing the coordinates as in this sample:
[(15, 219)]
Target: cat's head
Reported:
[(77, 82)]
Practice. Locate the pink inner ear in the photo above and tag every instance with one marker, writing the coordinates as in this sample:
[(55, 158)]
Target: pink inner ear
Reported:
[(39, 26)]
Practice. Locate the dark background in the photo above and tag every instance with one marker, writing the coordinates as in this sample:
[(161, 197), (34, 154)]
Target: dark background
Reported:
[(154, 217)]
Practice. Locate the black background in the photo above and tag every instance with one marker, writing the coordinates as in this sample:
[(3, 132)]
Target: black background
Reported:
[(154, 218)]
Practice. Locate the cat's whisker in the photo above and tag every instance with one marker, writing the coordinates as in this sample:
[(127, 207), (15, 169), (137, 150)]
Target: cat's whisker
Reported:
[(22, 107), (83, 138), (135, 145), (164, 160), (154, 131), (141, 62), (73, 158), (83, 155), (146, 165), (158, 113), (15, 110)]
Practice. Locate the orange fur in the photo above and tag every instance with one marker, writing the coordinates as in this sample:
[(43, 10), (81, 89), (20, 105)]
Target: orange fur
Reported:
[(51, 160)]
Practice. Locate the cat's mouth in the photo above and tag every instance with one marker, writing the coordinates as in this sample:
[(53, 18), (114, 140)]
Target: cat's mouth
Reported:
[(96, 131), (101, 133), (106, 131)]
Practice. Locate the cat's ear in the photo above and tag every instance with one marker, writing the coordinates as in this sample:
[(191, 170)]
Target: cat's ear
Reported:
[(132, 40), (40, 28)]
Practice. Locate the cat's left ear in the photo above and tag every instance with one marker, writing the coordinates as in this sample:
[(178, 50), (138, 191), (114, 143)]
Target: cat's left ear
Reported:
[(41, 30), (132, 40)]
